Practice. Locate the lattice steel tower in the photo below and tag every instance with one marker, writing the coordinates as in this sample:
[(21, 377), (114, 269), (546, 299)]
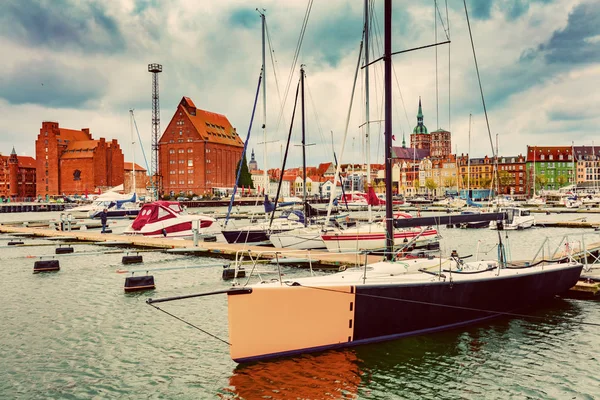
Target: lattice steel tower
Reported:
[(154, 164)]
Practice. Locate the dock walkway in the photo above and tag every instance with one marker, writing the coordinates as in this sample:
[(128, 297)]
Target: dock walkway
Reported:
[(318, 259)]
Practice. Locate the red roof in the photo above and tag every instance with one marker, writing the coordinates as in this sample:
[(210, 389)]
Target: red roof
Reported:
[(129, 166), (211, 126), (26, 162), (547, 151), (72, 135)]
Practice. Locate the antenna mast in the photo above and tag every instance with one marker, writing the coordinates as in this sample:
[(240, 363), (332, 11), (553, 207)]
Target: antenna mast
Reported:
[(155, 69)]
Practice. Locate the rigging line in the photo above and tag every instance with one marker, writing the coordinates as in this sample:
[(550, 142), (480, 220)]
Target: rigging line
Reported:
[(479, 80), (287, 148), (190, 324), (239, 171), (295, 58), (314, 107), (336, 177), (140, 141), (449, 74), (446, 32), (274, 63), (509, 314), (437, 92)]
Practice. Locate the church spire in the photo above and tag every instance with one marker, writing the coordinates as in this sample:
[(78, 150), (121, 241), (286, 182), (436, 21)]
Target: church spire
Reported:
[(403, 141), (13, 151), (420, 128)]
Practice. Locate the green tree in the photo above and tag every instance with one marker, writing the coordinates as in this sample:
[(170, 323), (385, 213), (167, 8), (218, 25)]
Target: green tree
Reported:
[(561, 180), (449, 182), (485, 182), (430, 185), (541, 181), (504, 180), (245, 177)]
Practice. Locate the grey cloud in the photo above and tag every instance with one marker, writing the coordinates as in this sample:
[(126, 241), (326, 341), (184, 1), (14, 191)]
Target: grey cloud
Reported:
[(575, 43), (61, 24), (51, 84)]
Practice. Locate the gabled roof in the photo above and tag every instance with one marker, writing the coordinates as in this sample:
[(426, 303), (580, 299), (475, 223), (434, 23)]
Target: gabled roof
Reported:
[(323, 167), (26, 162), (211, 126), (408, 153), (72, 135), (128, 166), (546, 151)]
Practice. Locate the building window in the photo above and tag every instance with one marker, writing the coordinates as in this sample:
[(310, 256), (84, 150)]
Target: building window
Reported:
[(190, 181), (181, 161), (190, 163), (180, 151), (172, 151), (190, 171), (181, 171), (190, 150), (171, 161), (172, 172), (181, 182)]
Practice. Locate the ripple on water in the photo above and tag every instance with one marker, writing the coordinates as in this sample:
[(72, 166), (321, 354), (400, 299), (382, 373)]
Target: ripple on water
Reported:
[(75, 334)]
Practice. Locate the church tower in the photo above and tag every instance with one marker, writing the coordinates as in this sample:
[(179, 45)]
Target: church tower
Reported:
[(13, 171), (420, 138), (252, 165)]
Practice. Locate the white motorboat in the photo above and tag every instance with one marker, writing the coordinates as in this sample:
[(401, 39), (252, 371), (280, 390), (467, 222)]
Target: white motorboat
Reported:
[(372, 236), (167, 219), (518, 218)]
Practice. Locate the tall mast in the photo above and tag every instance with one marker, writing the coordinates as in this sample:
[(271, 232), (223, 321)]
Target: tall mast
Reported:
[(469, 162), (264, 93), (132, 148), (574, 167), (303, 146), (367, 116), (387, 56), (534, 171)]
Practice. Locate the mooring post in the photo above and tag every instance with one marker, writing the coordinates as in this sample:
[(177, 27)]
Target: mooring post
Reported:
[(195, 230)]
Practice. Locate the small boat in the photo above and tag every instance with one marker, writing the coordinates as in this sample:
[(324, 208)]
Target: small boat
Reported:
[(111, 200), (518, 218), (167, 219), (474, 224), (260, 233)]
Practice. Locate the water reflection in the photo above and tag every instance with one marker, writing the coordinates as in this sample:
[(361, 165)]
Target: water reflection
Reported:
[(329, 375)]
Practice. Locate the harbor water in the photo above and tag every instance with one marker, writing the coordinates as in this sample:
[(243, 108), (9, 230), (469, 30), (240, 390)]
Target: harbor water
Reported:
[(75, 334)]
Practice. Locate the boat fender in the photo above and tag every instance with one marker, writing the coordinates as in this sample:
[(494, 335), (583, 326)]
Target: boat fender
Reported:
[(164, 232)]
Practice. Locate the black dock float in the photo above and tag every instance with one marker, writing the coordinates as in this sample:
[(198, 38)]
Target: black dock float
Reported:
[(132, 259), (46, 266), (139, 283), (64, 250)]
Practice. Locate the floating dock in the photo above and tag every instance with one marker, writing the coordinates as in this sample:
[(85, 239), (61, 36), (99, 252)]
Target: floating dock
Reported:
[(318, 259)]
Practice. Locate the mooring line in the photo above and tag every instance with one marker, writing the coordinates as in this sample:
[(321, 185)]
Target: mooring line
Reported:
[(190, 324)]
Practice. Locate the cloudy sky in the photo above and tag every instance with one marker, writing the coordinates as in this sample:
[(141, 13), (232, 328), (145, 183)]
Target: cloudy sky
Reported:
[(84, 64)]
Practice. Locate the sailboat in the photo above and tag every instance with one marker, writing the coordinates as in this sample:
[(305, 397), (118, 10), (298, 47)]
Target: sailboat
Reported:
[(384, 300)]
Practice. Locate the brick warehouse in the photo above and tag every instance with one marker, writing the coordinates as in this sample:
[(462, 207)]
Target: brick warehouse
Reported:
[(199, 150), (17, 176), (71, 162)]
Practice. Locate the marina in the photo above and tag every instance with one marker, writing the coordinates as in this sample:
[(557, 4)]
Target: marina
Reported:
[(86, 316)]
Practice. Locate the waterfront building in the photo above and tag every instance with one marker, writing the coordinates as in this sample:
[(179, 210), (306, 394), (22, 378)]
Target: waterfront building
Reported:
[(17, 177), (420, 138), (198, 151), (142, 180), (70, 161), (512, 175), (476, 174), (437, 176), (552, 166), (587, 167)]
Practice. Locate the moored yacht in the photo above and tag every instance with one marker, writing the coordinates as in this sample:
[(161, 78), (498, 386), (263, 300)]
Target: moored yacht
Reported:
[(167, 219)]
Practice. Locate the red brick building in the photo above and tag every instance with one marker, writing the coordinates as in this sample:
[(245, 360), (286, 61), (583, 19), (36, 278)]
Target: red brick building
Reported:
[(17, 176), (71, 162), (142, 180), (512, 174), (198, 151)]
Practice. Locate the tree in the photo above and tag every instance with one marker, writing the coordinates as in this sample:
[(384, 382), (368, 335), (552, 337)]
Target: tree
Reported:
[(430, 184), (485, 182), (561, 180), (504, 180), (245, 177), (449, 182), (541, 181)]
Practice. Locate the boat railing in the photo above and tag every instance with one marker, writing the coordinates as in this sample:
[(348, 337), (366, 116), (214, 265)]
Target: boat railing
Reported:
[(583, 246)]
